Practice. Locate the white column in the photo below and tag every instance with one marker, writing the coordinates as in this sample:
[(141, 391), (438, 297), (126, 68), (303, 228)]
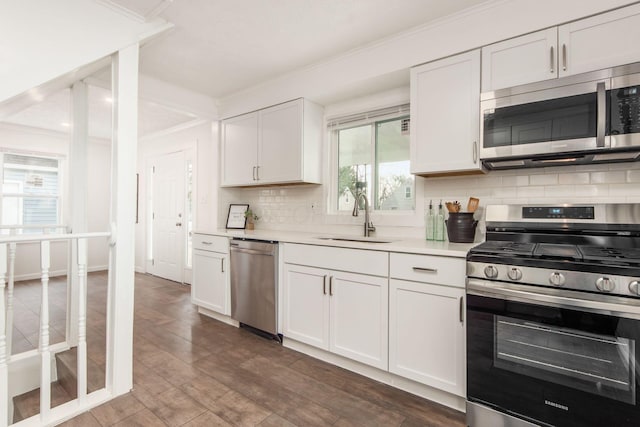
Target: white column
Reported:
[(78, 169), (4, 373), (123, 211)]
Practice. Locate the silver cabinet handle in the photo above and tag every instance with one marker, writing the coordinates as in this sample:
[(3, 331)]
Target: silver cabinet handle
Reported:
[(425, 270), (207, 243), (475, 152), (254, 173), (461, 310), (552, 58), (330, 285), (222, 264), (257, 173), (602, 114), (178, 224), (564, 57), (324, 285)]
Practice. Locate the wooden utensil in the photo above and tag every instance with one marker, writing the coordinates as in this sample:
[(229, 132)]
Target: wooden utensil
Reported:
[(473, 204), (453, 207)]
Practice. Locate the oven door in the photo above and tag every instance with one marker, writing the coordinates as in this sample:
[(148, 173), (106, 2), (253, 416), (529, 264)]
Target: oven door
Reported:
[(551, 359)]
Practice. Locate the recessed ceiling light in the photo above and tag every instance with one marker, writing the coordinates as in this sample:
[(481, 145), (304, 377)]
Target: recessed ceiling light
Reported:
[(65, 124)]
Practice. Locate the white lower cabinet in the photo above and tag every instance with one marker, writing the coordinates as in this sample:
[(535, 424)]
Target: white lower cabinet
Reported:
[(426, 320), (306, 305), (210, 284), (344, 313), (427, 334)]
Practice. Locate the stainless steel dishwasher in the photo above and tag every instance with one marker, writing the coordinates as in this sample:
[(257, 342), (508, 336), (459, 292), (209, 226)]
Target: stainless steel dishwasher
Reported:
[(254, 278)]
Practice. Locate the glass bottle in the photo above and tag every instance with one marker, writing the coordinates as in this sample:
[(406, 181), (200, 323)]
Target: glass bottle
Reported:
[(430, 222), (439, 224)]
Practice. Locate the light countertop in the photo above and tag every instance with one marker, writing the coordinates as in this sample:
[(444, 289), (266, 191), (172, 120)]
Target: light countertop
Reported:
[(391, 244)]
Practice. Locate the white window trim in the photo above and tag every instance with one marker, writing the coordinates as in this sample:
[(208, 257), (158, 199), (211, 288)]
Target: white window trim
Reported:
[(61, 177), (408, 218)]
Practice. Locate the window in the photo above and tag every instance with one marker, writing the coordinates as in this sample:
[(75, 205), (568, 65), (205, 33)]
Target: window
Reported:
[(30, 190), (374, 157)]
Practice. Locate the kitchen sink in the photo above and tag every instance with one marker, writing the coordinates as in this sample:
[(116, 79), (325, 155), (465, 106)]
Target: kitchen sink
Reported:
[(355, 239)]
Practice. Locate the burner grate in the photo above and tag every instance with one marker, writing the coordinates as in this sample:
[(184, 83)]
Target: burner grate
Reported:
[(549, 250), (611, 255), (504, 247)]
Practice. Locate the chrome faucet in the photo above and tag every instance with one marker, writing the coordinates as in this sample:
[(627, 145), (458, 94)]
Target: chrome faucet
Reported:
[(368, 225)]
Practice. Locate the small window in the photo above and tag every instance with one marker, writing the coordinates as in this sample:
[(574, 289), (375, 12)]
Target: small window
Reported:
[(30, 190), (374, 158)]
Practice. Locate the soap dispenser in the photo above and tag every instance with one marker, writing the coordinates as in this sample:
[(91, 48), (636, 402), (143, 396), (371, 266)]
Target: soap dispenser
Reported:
[(439, 224), (430, 222)]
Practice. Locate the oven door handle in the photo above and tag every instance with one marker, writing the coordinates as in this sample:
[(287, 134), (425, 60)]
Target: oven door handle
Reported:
[(602, 304)]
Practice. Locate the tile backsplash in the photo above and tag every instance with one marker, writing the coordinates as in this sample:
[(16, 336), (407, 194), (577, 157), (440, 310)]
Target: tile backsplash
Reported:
[(303, 208)]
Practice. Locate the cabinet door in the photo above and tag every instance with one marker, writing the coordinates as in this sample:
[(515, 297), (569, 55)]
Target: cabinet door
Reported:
[(445, 110), (359, 317), (602, 41), (306, 305), (427, 334), (280, 146), (239, 158), (210, 280), (521, 60)]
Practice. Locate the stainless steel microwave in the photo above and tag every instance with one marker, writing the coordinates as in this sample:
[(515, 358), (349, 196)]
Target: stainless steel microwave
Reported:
[(587, 118)]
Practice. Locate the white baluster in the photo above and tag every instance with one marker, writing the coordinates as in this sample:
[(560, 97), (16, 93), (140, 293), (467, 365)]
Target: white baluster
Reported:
[(45, 368), (4, 376), (9, 325), (82, 321)]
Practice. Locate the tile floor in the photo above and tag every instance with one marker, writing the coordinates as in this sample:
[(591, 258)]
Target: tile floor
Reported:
[(190, 370)]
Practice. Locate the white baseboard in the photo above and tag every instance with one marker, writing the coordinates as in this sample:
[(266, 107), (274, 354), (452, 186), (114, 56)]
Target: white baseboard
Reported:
[(141, 270), (424, 391), (57, 273), (221, 317)]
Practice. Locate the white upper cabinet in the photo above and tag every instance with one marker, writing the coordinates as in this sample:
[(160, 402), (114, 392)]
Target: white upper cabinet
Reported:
[(240, 149), (276, 145), (525, 59), (445, 114), (590, 44), (602, 41)]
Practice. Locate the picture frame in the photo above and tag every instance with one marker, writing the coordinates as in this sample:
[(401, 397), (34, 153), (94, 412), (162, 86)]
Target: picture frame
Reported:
[(236, 218)]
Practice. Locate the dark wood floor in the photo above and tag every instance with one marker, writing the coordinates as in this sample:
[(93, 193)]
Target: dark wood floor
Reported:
[(190, 370)]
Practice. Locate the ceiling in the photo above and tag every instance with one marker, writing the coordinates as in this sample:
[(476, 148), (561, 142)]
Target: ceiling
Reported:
[(218, 47)]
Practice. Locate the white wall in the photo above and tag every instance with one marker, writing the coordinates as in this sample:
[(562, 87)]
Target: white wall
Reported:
[(200, 139), (41, 40), (494, 21), (45, 142), (304, 208)]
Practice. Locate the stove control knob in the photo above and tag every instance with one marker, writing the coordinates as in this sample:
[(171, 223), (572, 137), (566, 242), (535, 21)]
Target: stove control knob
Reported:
[(604, 284), (634, 287), (491, 272), (514, 273), (556, 279)]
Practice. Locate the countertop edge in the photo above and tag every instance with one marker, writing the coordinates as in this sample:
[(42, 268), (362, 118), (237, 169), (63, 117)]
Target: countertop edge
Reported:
[(396, 244)]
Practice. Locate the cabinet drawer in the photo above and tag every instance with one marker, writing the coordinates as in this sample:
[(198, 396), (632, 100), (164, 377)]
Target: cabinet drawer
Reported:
[(206, 242), (373, 263), (428, 268)]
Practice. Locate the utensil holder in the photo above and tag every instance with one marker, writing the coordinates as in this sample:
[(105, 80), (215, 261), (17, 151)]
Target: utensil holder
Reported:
[(461, 227)]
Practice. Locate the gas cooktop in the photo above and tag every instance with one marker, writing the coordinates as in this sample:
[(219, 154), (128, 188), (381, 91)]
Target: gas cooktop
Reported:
[(593, 248)]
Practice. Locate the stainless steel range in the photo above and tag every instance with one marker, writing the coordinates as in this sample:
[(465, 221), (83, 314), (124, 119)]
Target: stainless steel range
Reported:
[(553, 309)]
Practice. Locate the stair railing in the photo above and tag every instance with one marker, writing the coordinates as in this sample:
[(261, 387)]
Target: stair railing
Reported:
[(13, 230), (83, 401)]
